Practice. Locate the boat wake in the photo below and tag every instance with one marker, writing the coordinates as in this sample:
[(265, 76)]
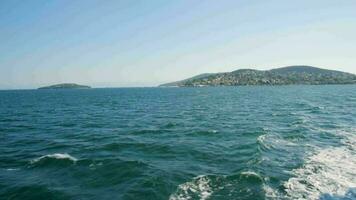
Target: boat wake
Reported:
[(328, 174)]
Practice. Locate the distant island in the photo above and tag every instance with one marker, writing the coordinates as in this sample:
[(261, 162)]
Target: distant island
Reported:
[(291, 75), (66, 86)]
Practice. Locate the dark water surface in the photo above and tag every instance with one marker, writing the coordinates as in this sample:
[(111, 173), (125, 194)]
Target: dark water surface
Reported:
[(286, 142)]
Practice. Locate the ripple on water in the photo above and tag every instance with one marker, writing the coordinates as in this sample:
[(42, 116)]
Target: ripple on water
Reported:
[(34, 192), (109, 172), (245, 142)]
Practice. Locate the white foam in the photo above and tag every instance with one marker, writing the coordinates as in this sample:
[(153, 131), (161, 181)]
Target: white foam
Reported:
[(270, 193), (61, 156), (329, 171), (199, 186)]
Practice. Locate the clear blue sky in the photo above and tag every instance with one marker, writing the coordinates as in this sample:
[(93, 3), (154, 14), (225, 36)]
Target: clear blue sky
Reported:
[(145, 43)]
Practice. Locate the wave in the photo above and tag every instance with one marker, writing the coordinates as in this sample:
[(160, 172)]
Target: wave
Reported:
[(56, 156), (330, 171)]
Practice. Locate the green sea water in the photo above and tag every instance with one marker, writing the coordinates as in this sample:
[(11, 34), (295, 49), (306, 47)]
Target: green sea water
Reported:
[(260, 142)]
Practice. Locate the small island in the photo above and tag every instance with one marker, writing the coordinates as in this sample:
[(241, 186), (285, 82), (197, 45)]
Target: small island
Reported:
[(65, 86), (291, 75)]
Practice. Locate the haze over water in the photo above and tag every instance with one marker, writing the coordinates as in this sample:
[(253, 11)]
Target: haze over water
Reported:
[(254, 142)]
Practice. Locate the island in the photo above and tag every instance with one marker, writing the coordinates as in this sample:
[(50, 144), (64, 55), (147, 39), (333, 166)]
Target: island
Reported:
[(66, 86), (291, 75)]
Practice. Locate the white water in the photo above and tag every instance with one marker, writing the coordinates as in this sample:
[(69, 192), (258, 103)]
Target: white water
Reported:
[(199, 186)]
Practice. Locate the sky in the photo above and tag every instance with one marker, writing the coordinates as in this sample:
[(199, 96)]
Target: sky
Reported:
[(133, 43)]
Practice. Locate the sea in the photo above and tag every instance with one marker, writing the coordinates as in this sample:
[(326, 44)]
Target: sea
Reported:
[(248, 142)]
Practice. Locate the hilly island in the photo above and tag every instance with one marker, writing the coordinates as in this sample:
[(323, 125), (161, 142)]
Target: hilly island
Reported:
[(65, 86), (291, 75)]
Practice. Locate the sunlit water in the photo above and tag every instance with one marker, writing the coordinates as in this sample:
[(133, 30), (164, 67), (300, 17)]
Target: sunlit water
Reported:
[(286, 142)]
